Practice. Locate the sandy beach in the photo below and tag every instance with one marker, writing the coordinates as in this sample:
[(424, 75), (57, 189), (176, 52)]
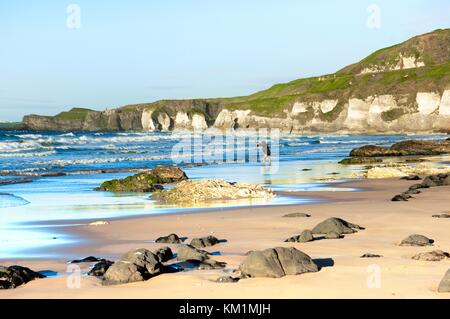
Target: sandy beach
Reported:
[(343, 274)]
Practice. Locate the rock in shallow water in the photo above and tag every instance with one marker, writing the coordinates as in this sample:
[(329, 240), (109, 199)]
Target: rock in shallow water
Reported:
[(14, 276), (417, 240), (276, 263)]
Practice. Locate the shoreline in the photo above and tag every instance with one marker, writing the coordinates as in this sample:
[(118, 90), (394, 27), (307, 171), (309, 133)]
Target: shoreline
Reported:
[(263, 227)]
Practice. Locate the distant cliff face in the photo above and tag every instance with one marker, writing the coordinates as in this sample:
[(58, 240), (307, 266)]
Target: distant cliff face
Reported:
[(404, 88)]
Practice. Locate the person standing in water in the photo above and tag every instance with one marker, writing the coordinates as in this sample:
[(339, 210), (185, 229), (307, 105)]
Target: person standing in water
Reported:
[(266, 151)]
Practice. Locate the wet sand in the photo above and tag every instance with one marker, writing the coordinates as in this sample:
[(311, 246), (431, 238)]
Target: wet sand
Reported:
[(344, 273)]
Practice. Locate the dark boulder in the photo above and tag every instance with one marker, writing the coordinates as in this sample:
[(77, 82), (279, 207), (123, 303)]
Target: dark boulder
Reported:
[(436, 180), (100, 268), (276, 263), (14, 276), (204, 241), (417, 240), (169, 239), (441, 216), (401, 198), (137, 265), (168, 174), (164, 254), (411, 178), (336, 225), (90, 259)]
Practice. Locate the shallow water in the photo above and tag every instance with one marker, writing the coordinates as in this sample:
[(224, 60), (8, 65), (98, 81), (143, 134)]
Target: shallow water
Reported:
[(33, 215)]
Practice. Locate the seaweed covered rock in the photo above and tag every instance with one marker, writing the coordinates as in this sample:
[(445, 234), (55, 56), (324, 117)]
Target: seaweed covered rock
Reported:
[(404, 148), (14, 276), (360, 160), (145, 182), (276, 263), (417, 240), (209, 190), (336, 225), (136, 265)]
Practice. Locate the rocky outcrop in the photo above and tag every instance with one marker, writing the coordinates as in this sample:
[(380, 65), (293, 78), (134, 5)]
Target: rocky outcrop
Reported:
[(144, 182), (209, 190), (14, 276), (404, 148), (277, 262)]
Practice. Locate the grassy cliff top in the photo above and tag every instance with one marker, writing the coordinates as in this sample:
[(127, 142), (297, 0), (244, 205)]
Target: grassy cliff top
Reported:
[(76, 113)]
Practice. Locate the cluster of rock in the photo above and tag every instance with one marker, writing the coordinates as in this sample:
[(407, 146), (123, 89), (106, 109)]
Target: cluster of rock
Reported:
[(331, 228), (404, 148), (145, 182), (429, 181), (210, 190), (14, 276)]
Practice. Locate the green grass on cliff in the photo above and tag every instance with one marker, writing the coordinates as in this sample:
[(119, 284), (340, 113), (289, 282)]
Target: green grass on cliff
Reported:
[(74, 114)]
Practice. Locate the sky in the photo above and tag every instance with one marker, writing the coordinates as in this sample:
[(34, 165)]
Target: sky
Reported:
[(55, 55)]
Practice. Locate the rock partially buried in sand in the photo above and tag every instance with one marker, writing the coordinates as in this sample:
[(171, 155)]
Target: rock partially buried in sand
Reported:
[(210, 264), (14, 276), (190, 253), (336, 225), (89, 259), (169, 239), (227, 279), (100, 268), (441, 216), (401, 198), (297, 215), (411, 178), (276, 263), (369, 255), (164, 254), (204, 241), (444, 285), (417, 240), (304, 237), (435, 255), (189, 192), (137, 265), (333, 235), (436, 180)]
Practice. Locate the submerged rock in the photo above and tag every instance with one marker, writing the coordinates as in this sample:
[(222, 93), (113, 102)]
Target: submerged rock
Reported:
[(137, 265), (435, 255), (204, 241), (304, 237), (210, 190), (336, 225), (444, 285), (14, 276), (417, 240), (276, 263), (100, 268), (169, 239)]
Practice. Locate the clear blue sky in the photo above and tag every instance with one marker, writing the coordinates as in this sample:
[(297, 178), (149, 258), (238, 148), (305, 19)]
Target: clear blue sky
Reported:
[(140, 51)]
